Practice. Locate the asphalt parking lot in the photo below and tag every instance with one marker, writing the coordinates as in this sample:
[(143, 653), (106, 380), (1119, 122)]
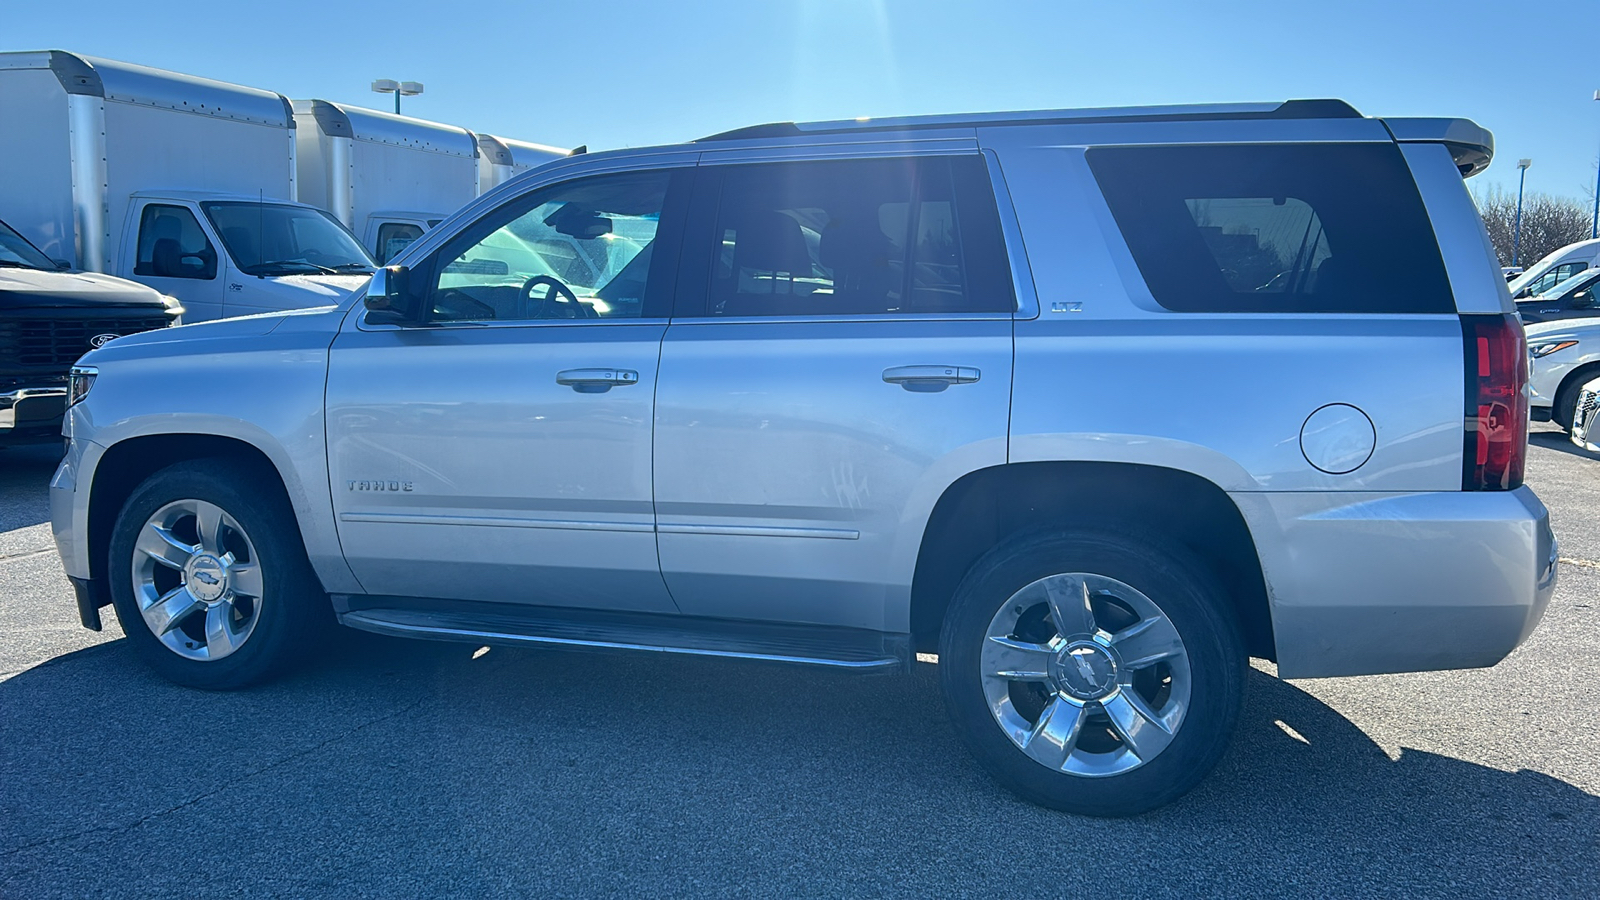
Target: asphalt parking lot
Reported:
[(397, 768)]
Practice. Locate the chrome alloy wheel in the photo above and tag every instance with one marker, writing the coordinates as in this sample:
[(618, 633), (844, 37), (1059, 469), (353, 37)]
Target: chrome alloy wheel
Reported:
[(1085, 674), (197, 580)]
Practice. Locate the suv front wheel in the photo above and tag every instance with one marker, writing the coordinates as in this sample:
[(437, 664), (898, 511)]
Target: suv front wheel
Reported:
[(1094, 672), (209, 577)]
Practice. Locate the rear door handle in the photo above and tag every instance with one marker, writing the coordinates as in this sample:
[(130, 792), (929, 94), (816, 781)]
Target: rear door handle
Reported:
[(596, 381), (928, 379)]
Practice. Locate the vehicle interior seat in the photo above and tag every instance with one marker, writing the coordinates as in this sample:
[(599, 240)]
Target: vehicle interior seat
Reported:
[(867, 266), (166, 254), (771, 257), (1332, 277)]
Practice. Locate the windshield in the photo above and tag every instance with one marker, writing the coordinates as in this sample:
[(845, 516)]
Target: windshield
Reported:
[(17, 253), (1562, 288), (272, 239)]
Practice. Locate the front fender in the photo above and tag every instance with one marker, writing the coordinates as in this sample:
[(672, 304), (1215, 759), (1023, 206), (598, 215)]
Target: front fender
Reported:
[(264, 390)]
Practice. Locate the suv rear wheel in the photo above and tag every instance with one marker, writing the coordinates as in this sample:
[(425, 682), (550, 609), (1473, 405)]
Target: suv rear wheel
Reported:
[(1095, 672), (209, 578)]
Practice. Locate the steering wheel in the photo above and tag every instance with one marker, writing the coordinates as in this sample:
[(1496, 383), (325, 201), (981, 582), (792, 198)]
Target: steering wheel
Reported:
[(556, 292)]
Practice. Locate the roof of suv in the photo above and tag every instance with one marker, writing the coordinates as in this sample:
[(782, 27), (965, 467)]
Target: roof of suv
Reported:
[(1291, 109), (1471, 145)]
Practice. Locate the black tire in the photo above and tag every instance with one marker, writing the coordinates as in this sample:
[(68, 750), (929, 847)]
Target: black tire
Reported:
[(1564, 408), (293, 616), (1185, 591)]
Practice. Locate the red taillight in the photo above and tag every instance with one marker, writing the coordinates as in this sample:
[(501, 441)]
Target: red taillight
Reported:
[(1497, 403)]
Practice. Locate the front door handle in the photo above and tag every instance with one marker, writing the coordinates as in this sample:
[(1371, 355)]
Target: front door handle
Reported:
[(928, 379), (596, 381)]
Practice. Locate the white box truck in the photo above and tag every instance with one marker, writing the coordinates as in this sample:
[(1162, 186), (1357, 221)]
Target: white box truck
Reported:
[(388, 178), (181, 183), (502, 159)]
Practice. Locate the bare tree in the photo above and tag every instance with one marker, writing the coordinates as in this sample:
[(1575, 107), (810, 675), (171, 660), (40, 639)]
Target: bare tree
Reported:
[(1548, 223)]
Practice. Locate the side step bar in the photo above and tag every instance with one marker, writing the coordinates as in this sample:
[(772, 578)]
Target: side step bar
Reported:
[(507, 625)]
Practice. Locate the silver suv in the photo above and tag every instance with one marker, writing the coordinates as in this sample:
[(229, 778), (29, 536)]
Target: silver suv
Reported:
[(1096, 405)]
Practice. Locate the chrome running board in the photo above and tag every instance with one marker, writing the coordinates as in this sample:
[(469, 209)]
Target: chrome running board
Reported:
[(508, 625)]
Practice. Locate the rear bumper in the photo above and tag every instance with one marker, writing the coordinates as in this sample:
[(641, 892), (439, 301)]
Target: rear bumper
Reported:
[(1363, 584)]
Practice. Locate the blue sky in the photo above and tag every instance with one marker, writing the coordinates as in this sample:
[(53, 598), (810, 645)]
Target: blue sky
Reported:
[(628, 72)]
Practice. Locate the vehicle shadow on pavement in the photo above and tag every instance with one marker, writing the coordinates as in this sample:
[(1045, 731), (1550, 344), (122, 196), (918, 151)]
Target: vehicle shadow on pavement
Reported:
[(23, 472), (396, 767), (1559, 440)]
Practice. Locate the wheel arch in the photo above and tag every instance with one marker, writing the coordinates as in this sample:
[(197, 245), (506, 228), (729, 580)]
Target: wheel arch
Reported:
[(1573, 381), (127, 463), (989, 505)]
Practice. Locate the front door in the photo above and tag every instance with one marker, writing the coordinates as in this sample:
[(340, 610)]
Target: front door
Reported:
[(175, 254), (501, 452), (840, 355)]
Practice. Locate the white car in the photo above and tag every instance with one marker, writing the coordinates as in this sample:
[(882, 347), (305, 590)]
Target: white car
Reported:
[(1586, 418), (1565, 355)]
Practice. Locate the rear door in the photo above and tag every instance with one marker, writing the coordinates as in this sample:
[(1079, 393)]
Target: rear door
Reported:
[(840, 352)]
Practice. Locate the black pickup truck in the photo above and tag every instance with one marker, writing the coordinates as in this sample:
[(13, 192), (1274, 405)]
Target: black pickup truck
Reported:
[(50, 316)]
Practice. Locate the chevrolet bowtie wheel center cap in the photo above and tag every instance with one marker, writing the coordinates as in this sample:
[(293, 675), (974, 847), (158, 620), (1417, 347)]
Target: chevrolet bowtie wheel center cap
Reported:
[(1084, 670), (206, 577)]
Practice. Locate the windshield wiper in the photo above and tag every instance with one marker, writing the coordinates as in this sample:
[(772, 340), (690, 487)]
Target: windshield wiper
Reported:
[(13, 264), (343, 266), (289, 263)]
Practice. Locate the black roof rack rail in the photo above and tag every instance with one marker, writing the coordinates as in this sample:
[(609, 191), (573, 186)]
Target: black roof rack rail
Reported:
[(1289, 109)]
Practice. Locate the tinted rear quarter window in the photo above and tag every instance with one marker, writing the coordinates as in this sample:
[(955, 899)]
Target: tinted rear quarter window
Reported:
[(1306, 228)]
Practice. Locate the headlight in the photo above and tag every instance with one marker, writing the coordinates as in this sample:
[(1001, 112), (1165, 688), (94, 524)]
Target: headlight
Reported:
[(79, 380), (1540, 350), (174, 308)]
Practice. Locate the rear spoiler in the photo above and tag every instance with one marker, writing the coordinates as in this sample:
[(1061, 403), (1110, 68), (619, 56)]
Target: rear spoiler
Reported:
[(1470, 144)]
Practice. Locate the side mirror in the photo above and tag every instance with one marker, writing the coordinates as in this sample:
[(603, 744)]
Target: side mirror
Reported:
[(389, 299), (1583, 299)]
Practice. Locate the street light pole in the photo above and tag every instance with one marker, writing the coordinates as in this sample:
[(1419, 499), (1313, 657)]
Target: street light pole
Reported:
[(1516, 239), (1594, 225), (397, 88)]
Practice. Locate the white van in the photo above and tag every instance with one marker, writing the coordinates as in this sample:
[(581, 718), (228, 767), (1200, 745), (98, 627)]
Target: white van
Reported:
[(1557, 267), (183, 184), (387, 177), (501, 159)]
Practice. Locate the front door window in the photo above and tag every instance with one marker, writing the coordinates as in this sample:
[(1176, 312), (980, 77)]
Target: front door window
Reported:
[(579, 250), (173, 245)]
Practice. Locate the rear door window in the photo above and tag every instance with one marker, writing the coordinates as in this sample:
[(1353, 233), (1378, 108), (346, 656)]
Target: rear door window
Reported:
[(855, 237), (1308, 228)]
